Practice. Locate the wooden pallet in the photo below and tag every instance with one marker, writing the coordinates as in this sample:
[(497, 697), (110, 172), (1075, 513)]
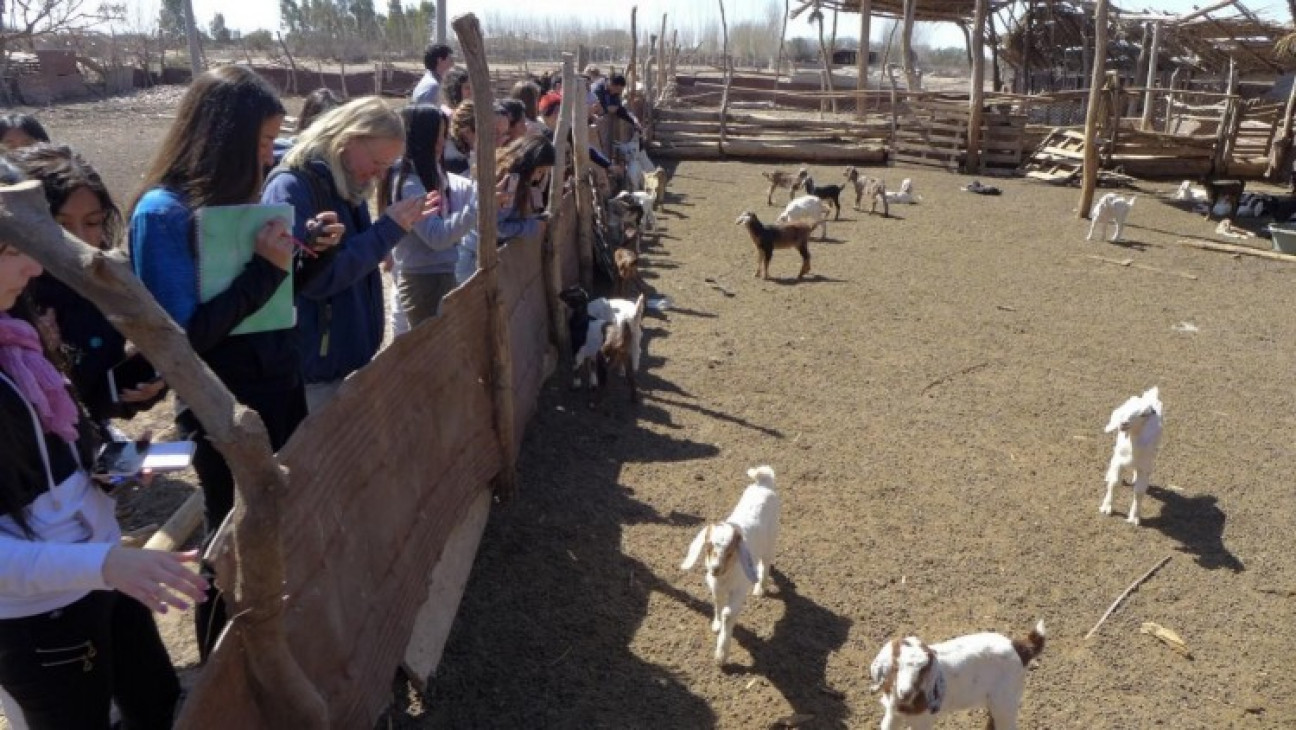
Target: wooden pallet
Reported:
[(931, 134), (1059, 158), (1001, 143)]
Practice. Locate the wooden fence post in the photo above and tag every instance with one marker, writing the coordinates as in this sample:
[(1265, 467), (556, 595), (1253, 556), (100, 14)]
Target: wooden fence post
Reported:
[(285, 696), (728, 76), (1089, 180), (552, 260), (581, 166), (1281, 147), (1146, 122), (976, 95), (862, 62), (468, 30)]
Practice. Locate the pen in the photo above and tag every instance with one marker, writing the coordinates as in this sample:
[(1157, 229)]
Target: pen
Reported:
[(304, 248)]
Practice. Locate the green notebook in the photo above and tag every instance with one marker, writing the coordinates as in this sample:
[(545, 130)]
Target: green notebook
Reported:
[(226, 243)]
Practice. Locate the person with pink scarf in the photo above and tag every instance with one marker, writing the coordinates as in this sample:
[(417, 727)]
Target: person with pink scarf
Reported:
[(76, 634)]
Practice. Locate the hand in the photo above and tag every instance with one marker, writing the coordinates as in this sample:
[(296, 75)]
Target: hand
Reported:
[(274, 244), (142, 392), (154, 578), (324, 231), (408, 212), (503, 196)]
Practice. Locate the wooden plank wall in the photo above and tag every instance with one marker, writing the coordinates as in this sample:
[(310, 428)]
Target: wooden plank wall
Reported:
[(380, 479)]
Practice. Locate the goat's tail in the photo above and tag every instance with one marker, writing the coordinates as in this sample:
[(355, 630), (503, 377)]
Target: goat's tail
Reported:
[(763, 475), (1031, 646)]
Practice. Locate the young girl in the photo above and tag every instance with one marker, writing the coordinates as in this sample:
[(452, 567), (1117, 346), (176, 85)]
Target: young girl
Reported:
[(80, 202), (19, 130), (75, 629), (214, 154), (425, 258), (521, 169)]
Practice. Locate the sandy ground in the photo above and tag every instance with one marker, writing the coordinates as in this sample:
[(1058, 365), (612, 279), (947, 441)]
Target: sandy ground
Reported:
[(932, 399)]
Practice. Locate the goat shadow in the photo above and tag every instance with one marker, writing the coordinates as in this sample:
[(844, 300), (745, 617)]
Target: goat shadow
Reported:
[(1130, 244), (795, 657), (810, 278), (1197, 523)]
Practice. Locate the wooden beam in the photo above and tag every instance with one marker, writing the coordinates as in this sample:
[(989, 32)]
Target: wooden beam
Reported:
[(468, 29), (728, 75), (552, 255), (976, 95), (1281, 148), (862, 63), (1089, 178), (906, 45), (580, 166), (1146, 122)]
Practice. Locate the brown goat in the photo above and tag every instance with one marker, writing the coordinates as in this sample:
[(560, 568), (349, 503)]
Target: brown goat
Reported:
[(627, 266), (780, 179), (871, 187), (778, 235)]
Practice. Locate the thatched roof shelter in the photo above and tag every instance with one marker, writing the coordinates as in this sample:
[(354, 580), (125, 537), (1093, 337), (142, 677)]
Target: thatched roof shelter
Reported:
[(956, 11)]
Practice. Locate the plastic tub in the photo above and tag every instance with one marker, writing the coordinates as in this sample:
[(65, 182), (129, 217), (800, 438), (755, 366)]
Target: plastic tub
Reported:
[(1284, 238)]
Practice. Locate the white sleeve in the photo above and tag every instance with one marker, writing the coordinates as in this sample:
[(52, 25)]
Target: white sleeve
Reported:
[(30, 568)]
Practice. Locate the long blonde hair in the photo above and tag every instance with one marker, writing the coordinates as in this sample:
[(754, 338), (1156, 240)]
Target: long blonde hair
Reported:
[(328, 136)]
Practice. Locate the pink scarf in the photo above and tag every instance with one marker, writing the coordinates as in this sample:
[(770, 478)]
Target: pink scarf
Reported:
[(44, 387)]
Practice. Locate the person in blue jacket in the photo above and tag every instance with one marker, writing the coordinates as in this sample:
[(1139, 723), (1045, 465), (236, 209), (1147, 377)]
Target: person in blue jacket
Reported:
[(334, 167), (214, 154)]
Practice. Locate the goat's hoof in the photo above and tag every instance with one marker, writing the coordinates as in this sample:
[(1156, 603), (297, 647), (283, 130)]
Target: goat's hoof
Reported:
[(1105, 509), (1133, 520), (715, 627), (719, 659)]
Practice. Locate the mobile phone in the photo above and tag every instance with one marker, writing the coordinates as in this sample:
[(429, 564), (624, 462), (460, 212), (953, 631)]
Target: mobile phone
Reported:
[(129, 458), (512, 185), (128, 374)]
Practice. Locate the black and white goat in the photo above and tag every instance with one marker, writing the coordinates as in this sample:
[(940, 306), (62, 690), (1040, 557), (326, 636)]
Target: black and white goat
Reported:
[(826, 193), (986, 670), (738, 554)]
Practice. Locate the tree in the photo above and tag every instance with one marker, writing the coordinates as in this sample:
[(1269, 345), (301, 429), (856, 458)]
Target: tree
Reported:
[(171, 19), (219, 32), (259, 40)]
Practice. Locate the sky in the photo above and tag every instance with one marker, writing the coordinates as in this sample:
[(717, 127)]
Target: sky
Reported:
[(249, 15)]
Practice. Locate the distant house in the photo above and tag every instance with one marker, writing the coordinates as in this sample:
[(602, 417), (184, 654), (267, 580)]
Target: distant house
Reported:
[(851, 57)]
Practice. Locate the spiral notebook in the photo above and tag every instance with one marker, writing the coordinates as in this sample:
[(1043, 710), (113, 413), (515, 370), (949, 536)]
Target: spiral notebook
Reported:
[(226, 243)]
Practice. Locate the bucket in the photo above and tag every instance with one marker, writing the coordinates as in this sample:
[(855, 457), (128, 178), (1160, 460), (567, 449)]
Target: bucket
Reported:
[(1284, 238)]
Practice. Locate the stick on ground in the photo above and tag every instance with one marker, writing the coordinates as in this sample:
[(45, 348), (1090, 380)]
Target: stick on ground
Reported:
[(1112, 608)]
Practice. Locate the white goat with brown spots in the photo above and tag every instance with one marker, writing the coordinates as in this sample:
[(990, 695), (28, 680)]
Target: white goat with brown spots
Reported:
[(986, 670), (781, 179), (871, 188), (739, 554)]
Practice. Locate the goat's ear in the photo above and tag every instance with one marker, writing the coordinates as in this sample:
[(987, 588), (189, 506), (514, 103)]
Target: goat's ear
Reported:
[(1114, 422), (881, 667), (746, 561), (695, 550), (937, 694)]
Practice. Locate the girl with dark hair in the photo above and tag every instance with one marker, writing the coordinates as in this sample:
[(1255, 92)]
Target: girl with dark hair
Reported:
[(20, 130), (88, 344), (215, 154), (75, 630), (457, 87), (521, 170), (316, 103), (425, 258), (528, 92)]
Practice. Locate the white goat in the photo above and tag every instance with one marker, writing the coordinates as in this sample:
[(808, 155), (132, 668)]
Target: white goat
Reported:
[(1137, 424), (617, 312), (637, 161), (739, 554), (984, 670), (807, 209), (645, 201), (906, 194), (1187, 192), (1110, 209), (655, 185)]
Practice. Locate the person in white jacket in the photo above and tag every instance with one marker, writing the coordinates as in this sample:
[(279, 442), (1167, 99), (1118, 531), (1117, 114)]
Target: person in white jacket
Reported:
[(76, 634)]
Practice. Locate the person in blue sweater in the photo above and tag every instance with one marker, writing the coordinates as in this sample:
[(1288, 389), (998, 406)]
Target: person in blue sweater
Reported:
[(84, 339), (521, 169), (214, 154), (334, 167)]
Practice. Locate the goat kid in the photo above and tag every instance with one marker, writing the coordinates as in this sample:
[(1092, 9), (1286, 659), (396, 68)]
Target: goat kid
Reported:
[(627, 268), (780, 179), (586, 333), (872, 188), (622, 340), (738, 554), (827, 193), (655, 185), (1137, 424), (1110, 209), (985, 670), (631, 214), (806, 209), (906, 194), (778, 235)]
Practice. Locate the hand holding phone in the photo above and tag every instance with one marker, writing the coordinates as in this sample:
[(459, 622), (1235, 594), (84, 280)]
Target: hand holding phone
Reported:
[(131, 458), (133, 380)]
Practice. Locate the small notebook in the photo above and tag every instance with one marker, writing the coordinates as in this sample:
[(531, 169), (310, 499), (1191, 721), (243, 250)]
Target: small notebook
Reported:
[(226, 243)]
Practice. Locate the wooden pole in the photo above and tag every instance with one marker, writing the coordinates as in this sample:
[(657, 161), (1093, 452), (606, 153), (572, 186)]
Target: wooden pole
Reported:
[(581, 164), (1226, 121), (906, 45), (862, 63), (778, 61), (661, 58), (976, 95), (1281, 147), (632, 74), (468, 30), (552, 253), (285, 697), (1089, 180), (728, 77), (1146, 122)]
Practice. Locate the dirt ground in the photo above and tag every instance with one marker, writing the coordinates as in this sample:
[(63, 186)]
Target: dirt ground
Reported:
[(932, 400)]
